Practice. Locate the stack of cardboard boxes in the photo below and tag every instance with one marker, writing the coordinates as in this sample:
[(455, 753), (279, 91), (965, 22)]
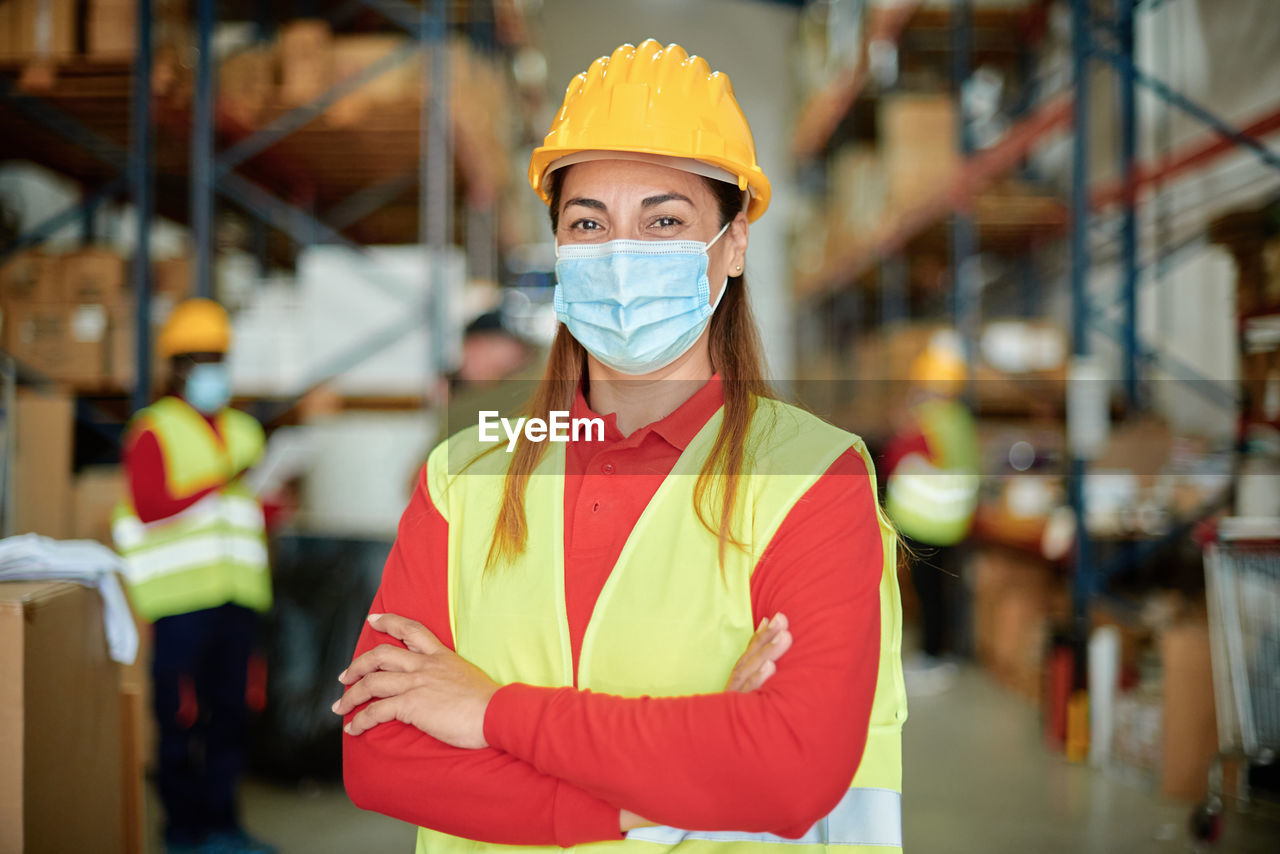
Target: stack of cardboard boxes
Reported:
[(70, 317), (63, 313)]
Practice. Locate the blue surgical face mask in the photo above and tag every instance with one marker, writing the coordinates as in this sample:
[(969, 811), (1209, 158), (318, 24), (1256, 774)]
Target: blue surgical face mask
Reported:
[(636, 305), (208, 387)]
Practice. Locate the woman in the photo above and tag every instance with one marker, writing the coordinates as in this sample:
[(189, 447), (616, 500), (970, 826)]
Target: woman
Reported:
[(562, 649)]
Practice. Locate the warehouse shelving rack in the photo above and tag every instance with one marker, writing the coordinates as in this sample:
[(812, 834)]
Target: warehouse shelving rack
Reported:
[(1095, 38), (968, 212), (102, 124), (1110, 40)]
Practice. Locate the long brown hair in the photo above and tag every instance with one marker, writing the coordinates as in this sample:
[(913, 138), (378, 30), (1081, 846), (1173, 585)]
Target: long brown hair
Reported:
[(736, 355)]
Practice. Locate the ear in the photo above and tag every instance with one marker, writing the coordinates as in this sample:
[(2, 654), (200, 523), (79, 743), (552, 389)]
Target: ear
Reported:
[(737, 234)]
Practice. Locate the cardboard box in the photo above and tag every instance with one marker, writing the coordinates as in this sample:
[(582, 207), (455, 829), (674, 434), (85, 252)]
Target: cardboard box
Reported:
[(857, 191), (396, 85), (92, 275), (109, 28), (918, 139), (65, 343), (172, 277), (42, 464), (1190, 736), (306, 61), (246, 81), (60, 763), (97, 490), (1015, 601), (44, 29), (31, 276)]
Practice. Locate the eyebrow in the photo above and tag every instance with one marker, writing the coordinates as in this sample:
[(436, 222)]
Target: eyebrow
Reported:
[(595, 204), (665, 197)]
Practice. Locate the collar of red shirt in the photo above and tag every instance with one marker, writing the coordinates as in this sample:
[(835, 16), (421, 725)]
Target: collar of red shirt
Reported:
[(678, 428)]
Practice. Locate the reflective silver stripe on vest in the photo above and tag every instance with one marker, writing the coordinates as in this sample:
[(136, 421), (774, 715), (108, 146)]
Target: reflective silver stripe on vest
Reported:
[(863, 817), (193, 552)]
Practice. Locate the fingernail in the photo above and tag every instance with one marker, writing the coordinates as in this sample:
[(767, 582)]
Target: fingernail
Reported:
[(334, 707), (347, 729), (373, 617), (342, 677)]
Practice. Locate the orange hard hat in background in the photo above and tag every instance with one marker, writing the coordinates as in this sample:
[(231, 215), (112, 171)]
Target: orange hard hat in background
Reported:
[(662, 105), (195, 326)]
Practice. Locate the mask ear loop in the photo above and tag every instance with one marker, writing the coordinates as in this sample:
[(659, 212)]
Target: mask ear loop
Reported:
[(724, 287), (719, 234)]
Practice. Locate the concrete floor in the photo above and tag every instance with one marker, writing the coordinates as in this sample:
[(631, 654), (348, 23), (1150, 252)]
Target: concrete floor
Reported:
[(978, 779)]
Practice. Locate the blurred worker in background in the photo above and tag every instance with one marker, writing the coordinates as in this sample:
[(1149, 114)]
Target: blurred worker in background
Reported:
[(499, 371), (932, 492), (193, 539)]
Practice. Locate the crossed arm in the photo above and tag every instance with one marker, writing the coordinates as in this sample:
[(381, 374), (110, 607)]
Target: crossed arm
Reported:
[(442, 746)]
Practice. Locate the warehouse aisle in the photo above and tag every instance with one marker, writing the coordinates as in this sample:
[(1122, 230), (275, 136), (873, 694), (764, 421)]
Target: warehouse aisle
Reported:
[(978, 779)]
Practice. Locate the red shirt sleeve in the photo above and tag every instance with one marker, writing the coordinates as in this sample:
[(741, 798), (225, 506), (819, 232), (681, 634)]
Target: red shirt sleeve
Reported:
[(773, 760), (396, 769), (144, 462), (900, 447)]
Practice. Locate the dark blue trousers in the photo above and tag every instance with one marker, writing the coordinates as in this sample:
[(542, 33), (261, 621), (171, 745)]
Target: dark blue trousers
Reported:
[(201, 759)]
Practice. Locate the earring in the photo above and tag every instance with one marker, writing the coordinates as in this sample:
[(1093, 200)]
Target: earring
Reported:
[(738, 268)]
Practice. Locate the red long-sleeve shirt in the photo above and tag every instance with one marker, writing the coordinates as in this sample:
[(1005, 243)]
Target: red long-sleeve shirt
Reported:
[(562, 761), (144, 465)]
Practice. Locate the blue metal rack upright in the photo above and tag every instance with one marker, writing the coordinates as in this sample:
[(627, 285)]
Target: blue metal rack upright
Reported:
[(140, 169)]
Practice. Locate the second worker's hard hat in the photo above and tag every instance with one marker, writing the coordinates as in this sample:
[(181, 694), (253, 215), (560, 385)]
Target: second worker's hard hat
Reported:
[(941, 367), (195, 326), (658, 103)]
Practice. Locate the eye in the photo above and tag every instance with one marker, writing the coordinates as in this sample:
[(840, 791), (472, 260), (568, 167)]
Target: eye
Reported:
[(585, 225), (666, 222)]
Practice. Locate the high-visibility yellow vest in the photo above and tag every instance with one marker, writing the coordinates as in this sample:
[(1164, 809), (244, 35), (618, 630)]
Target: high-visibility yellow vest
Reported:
[(213, 552), (511, 621), (934, 501)]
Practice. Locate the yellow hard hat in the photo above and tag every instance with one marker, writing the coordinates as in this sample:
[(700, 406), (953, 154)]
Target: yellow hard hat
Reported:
[(656, 101), (941, 366), (195, 326)]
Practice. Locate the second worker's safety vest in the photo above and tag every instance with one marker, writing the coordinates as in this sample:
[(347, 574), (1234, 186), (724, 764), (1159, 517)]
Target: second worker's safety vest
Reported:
[(511, 620), (214, 551), (934, 501)]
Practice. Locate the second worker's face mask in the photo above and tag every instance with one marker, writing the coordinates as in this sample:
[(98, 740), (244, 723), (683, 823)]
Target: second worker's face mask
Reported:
[(636, 305), (208, 387)]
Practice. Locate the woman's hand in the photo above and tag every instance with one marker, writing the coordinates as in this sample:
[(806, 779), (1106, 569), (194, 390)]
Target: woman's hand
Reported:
[(771, 640), (427, 685)]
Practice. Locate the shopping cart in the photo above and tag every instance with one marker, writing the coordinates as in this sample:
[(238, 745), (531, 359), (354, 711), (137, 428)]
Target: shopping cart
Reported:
[(1242, 586)]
